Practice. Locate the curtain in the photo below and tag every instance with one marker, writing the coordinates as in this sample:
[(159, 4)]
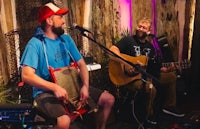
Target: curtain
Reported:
[(6, 16)]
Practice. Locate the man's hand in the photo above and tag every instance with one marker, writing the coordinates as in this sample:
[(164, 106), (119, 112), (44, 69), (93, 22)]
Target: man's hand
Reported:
[(130, 70), (84, 93), (60, 93), (171, 68)]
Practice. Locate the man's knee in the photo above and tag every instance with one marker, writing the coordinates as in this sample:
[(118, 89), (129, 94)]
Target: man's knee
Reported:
[(63, 122), (167, 78), (106, 98)]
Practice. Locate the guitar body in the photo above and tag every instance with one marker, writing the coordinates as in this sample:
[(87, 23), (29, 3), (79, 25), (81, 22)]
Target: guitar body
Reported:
[(117, 73)]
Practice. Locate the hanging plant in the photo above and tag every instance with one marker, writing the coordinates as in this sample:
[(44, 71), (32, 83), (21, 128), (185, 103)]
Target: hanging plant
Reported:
[(125, 32)]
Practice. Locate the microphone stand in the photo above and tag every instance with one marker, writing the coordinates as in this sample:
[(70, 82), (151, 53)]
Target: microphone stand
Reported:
[(136, 66)]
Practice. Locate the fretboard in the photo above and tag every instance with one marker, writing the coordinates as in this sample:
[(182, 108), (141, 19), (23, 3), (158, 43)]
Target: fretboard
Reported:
[(182, 64)]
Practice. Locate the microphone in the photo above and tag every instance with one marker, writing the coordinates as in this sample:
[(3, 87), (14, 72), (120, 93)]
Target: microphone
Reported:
[(81, 29), (151, 35)]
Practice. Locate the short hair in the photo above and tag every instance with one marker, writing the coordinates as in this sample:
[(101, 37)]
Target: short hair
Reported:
[(146, 20)]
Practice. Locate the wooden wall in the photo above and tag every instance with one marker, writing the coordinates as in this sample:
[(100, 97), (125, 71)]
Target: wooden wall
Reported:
[(4, 74), (105, 21), (106, 25)]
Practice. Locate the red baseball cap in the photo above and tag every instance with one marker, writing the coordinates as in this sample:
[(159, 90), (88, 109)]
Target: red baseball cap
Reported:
[(50, 9)]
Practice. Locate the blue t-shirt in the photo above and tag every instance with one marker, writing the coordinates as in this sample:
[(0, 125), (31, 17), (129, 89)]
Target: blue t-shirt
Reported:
[(57, 55)]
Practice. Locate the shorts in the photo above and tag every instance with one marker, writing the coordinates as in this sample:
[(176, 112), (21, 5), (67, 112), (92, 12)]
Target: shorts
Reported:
[(48, 104)]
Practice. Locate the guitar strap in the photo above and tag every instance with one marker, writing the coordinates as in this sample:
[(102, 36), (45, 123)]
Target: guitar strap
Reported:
[(44, 48), (39, 34)]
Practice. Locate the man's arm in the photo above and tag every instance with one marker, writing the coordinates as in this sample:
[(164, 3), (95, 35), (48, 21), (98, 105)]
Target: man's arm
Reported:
[(116, 50), (84, 74), (167, 69), (127, 67), (29, 77)]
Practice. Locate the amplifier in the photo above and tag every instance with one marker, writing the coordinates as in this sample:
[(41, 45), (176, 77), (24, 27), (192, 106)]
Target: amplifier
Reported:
[(17, 113), (192, 120)]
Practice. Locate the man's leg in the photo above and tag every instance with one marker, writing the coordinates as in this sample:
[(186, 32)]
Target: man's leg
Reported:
[(63, 122), (169, 81), (106, 101), (51, 107), (150, 93)]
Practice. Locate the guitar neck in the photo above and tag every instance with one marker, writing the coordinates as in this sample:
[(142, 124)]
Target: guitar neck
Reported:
[(182, 64), (170, 64)]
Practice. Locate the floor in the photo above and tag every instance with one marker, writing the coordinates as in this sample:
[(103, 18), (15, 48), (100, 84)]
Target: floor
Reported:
[(124, 118), (127, 116)]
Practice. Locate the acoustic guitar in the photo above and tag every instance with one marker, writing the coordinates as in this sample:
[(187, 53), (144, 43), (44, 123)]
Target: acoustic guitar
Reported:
[(119, 77), (117, 74)]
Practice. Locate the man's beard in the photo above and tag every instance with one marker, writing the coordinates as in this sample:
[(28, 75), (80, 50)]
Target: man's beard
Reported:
[(141, 35), (58, 30)]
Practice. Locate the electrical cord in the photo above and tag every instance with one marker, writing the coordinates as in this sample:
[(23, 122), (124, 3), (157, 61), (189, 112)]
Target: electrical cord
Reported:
[(140, 125)]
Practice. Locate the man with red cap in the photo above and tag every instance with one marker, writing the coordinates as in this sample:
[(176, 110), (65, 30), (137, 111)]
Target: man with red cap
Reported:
[(51, 47)]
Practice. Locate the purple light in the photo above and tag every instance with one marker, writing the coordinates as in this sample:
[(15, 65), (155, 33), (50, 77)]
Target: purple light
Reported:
[(154, 16), (130, 5), (154, 25)]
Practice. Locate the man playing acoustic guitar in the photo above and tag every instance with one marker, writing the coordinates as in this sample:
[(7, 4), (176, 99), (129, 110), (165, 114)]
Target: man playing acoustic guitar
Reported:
[(54, 48), (135, 46)]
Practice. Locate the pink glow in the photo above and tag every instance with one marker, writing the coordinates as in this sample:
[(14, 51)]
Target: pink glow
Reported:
[(126, 15)]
